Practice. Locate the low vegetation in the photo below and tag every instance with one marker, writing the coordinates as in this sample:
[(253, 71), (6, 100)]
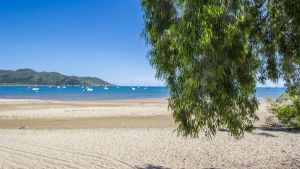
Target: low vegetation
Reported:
[(287, 110)]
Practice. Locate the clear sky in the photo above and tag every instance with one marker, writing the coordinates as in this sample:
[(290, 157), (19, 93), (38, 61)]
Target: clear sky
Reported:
[(77, 37)]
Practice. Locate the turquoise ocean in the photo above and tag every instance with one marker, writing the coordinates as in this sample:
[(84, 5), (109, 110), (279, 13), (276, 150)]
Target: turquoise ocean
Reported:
[(102, 93)]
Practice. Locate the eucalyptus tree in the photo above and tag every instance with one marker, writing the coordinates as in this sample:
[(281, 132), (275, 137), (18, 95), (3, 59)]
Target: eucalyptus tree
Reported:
[(212, 53)]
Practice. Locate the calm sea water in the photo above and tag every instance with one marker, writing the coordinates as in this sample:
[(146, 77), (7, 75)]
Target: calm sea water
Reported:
[(102, 93)]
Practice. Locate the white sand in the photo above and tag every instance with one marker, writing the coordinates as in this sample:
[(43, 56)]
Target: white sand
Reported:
[(79, 112), (139, 148), (147, 148), (39, 109)]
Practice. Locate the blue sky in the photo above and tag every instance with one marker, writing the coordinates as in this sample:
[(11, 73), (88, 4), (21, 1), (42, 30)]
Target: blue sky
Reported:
[(77, 37)]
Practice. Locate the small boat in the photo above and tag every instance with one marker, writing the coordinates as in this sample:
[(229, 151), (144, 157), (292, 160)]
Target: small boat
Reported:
[(35, 89), (132, 88), (105, 88), (88, 89), (58, 87), (64, 87)]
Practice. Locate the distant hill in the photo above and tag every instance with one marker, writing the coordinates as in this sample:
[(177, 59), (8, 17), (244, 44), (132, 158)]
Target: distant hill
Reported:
[(31, 77)]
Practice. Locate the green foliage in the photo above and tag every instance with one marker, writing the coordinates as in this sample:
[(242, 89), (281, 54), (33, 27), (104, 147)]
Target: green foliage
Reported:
[(30, 77), (289, 114), (212, 53)]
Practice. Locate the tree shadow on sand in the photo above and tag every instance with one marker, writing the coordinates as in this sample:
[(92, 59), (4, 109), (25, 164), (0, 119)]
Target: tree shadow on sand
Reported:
[(281, 129), (295, 130), (151, 166), (266, 129)]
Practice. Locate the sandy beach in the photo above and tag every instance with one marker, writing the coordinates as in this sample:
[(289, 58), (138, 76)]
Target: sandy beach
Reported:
[(129, 134)]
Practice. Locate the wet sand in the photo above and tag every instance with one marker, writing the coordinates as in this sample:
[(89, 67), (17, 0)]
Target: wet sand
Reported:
[(159, 121)]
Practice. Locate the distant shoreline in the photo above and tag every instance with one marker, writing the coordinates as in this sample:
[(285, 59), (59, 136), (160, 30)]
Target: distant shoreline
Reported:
[(88, 101), (109, 85), (49, 85), (55, 92)]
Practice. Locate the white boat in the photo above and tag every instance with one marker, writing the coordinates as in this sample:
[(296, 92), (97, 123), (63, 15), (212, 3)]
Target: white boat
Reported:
[(58, 87), (64, 87), (105, 88), (88, 89), (132, 88), (35, 89)]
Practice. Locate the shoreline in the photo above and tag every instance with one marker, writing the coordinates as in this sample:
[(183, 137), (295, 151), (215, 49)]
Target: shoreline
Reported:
[(112, 85), (159, 121), (129, 134), (49, 85), (54, 114), (87, 100)]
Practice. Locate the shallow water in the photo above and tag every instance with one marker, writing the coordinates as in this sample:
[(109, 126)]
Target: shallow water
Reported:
[(102, 93)]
